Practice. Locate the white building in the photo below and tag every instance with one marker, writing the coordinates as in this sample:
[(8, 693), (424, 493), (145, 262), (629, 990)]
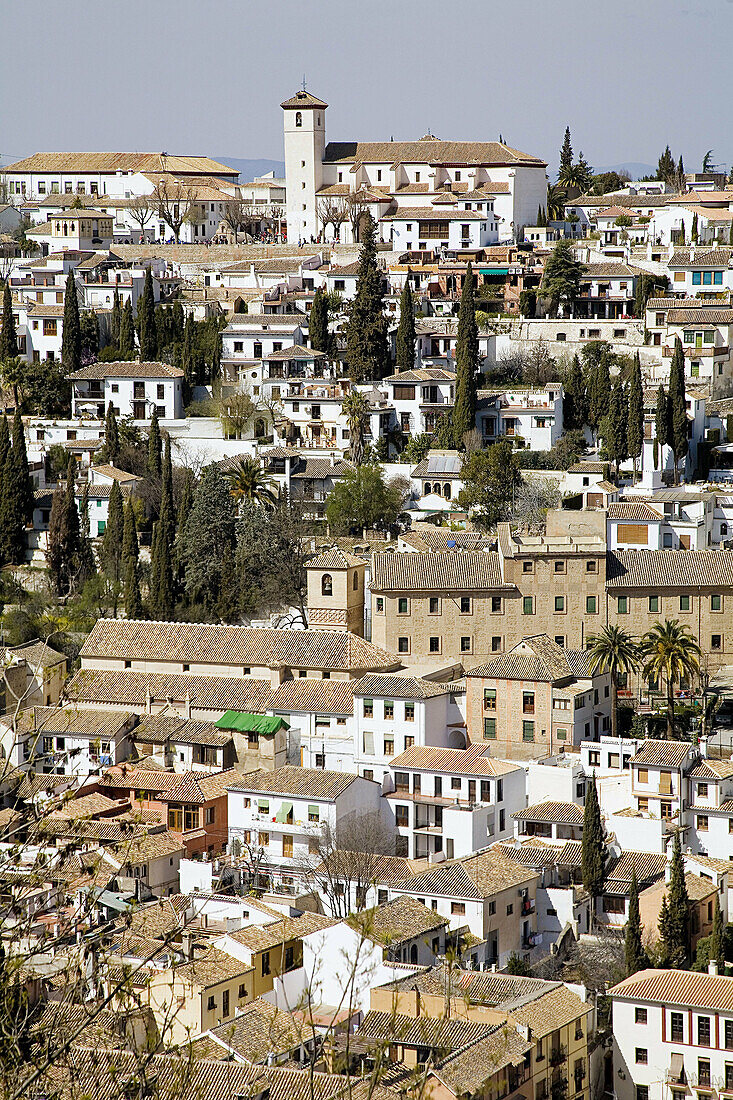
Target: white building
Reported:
[(531, 415), (133, 388), (83, 230), (68, 741), (393, 174)]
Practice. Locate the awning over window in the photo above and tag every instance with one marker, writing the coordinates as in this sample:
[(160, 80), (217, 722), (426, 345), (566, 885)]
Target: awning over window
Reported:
[(314, 811), (282, 814), (676, 1067), (263, 805)]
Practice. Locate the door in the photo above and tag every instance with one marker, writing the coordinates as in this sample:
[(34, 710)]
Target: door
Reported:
[(287, 847)]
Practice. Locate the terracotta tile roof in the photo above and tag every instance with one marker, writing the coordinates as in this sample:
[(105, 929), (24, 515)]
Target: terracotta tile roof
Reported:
[(399, 687), (88, 805), (260, 1029), (134, 689), (233, 645), (107, 470), (678, 987), (712, 769), (714, 257), (159, 728), (422, 374), (38, 654), (334, 558), (705, 313), (537, 658), (664, 753), (563, 813), (303, 99), (648, 867), (422, 1031), (100, 371), (299, 782), (193, 787), (295, 351), (74, 721), (434, 214), (555, 1009), (428, 151), (608, 271), (467, 1072), (151, 845), (397, 921), (416, 572), (119, 162), (699, 888), (634, 510), (212, 968), (471, 761), (306, 694), (320, 468), (669, 569), (479, 876)]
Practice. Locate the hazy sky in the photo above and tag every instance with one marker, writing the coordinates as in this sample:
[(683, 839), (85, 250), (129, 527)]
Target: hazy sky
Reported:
[(207, 76)]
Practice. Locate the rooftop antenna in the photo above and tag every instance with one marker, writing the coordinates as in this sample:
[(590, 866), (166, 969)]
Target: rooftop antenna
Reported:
[(303, 81)]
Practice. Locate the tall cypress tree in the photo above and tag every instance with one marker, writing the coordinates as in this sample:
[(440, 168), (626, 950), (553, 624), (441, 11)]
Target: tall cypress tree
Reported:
[(111, 550), (674, 924), (127, 330), (717, 942), (154, 446), (111, 434), (130, 547), (165, 599), (464, 409), (68, 554), (115, 320), (661, 417), (616, 423), (146, 330), (133, 599), (575, 403), (12, 513), (566, 153), (25, 481), (636, 956), (635, 427), (406, 330), (71, 339), (227, 607), (593, 847), (4, 439), (318, 322), (599, 392), (8, 336), (367, 350), (677, 410), (693, 229)]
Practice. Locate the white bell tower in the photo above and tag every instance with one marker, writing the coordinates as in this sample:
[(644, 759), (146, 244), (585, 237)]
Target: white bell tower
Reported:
[(305, 143)]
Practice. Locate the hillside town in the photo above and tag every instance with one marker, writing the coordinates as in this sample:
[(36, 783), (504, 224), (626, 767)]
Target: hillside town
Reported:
[(366, 537)]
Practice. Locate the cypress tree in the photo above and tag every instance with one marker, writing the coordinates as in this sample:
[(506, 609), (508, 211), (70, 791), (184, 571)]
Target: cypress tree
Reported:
[(210, 528), (133, 600), (367, 350), (12, 514), (127, 331), (4, 440), (717, 943), (575, 406), (56, 539), (71, 339), (23, 473), (227, 607), (111, 434), (8, 335), (635, 427), (464, 409), (146, 329), (318, 322), (188, 356), (599, 392), (130, 547), (177, 321), (111, 550), (115, 320), (593, 848), (636, 956), (406, 330), (661, 417), (566, 153), (154, 446), (68, 554), (677, 409), (674, 925), (617, 419), (665, 166), (693, 230)]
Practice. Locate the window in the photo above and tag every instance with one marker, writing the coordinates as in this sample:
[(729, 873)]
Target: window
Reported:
[(458, 908), (594, 758), (455, 783), (265, 963), (702, 823), (380, 603), (496, 643), (49, 328), (528, 702), (528, 731), (409, 742), (591, 567), (388, 710), (389, 746), (703, 1071), (716, 641), (465, 605), (490, 730), (640, 1016), (465, 644), (642, 775), (434, 645), (409, 714), (703, 1031), (403, 645), (492, 908), (528, 567), (728, 1038), (509, 909), (591, 605), (559, 603), (402, 816), (702, 790), (642, 1092), (242, 991), (368, 743), (327, 585), (402, 606), (642, 1056), (528, 605), (489, 698), (434, 605), (684, 603), (368, 708), (654, 605), (677, 1032), (211, 1003), (623, 605), (716, 603)]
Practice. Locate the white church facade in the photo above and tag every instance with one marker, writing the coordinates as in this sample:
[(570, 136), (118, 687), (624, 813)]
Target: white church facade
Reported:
[(473, 193)]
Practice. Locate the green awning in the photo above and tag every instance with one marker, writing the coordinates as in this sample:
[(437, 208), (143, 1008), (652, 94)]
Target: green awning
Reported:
[(314, 811), (282, 814), (263, 805), (493, 271), (250, 723)]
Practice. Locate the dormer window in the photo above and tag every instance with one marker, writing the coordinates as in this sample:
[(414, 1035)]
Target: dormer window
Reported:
[(299, 118)]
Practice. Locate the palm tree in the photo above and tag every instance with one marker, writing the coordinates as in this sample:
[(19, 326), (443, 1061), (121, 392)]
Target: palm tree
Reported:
[(355, 408), (670, 651), (613, 650), (248, 481), (555, 202)]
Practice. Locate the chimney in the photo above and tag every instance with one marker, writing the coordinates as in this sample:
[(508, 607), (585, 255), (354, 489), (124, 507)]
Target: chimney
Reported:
[(187, 945), (712, 967)]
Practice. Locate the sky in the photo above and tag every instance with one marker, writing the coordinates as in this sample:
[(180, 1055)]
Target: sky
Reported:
[(207, 76)]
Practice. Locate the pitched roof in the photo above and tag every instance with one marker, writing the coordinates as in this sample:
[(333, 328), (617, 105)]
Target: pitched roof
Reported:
[(430, 151), (554, 1009), (38, 654), (712, 769), (73, 721), (335, 558), (424, 1031), (233, 645), (397, 921), (474, 760), (467, 1071), (127, 369), (193, 787), (307, 694), (678, 987), (300, 782), (669, 569), (537, 658), (563, 813), (119, 162), (633, 510), (714, 257), (400, 687), (159, 728), (478, 876), (258, 1030), (419, 572), (663, 753), (302, 98)]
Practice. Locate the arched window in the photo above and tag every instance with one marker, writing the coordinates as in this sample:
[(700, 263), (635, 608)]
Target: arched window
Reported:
[(327, 585), (259, 429), (298, 118), (413, 953), (427, 488), (446, 490), (356, 582)]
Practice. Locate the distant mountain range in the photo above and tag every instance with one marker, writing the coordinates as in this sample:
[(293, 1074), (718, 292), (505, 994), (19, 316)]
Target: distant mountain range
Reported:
[(248, 169)]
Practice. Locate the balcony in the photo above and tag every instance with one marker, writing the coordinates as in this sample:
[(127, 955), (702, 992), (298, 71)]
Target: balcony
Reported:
[(558, 1055)]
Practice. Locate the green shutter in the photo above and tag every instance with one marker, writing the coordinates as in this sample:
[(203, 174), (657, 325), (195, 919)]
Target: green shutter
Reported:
[(281, 816)]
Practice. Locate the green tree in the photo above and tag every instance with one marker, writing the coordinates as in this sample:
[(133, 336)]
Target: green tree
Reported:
[(661, 418), (614, 426), (636, 956), (613, 650), (248, 481), (677, 410), (146, 328), (367, 351), (561, 280), (227, 606), (68, 556), (132, 598), (320, 338), (635, 425), (593, 847), (162, 590), (566, 153), (127, 331), (111, 548), (270, 560), (674, 920), (12, 514), (464, 409), (491, 478), (115, 320), (575, 405), (155, 446), (670, 653), (22, 469), (8, 335), (111, 434), (209, 530), (416, 448), (666, 169), (693, 229), (355, 408), (89, 330), (71, 339), (717, 940), (363, 499), (405, 350), (130, 545), (599, 392)]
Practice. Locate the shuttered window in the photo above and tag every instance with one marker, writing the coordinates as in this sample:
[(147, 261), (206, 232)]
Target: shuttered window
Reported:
[(635, 533)]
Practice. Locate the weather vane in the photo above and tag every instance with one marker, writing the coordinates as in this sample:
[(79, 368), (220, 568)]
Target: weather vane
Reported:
[(303, 81)]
